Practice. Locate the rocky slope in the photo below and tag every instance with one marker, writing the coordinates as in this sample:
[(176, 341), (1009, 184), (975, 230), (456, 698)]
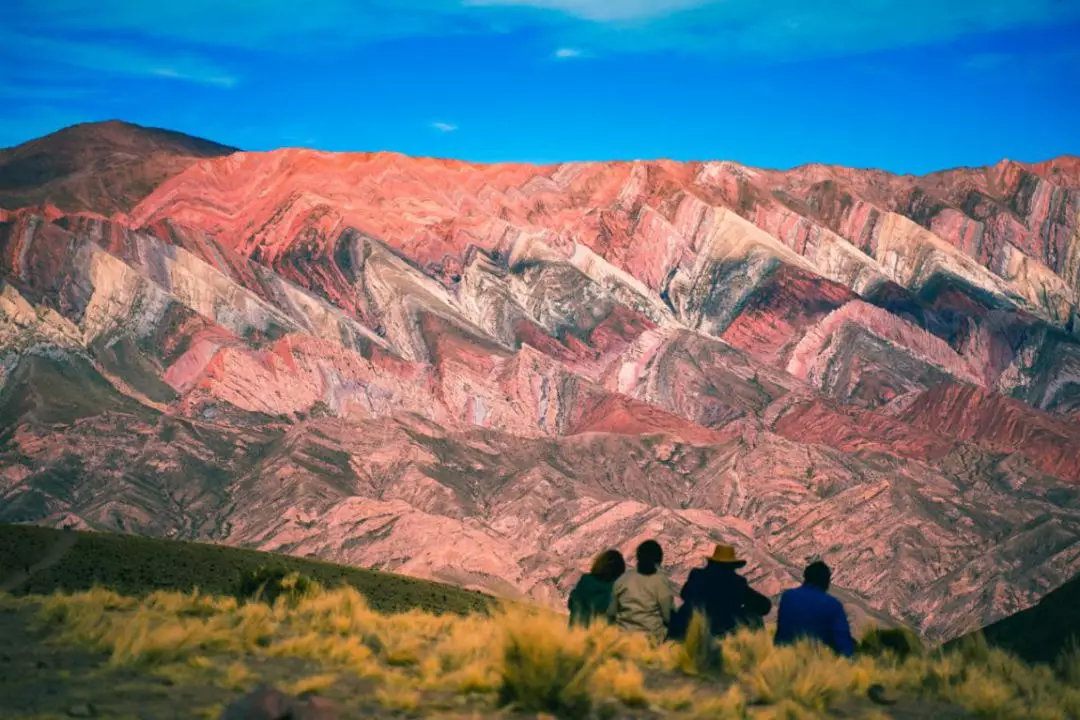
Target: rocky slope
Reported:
[(485, 373), (1044, 632)]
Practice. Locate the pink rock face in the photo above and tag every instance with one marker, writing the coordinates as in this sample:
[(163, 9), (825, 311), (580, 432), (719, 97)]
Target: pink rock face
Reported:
[(999, 424), (485, 374)]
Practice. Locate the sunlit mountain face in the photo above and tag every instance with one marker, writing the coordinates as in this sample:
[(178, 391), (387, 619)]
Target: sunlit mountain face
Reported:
[(484, 374)]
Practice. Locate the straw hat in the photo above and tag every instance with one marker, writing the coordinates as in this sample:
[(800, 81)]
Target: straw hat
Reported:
[(725, 554)]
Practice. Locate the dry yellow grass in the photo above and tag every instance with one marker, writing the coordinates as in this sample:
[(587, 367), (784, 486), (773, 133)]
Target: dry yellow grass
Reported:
[(698, 654), (311, 684), (238, 677), (397, 694), (528, 659), (621, 680)]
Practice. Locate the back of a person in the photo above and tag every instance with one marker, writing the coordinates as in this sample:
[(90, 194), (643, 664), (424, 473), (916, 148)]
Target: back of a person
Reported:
[(639, 601), (723, 598), (591, 597), (589, 600), (642, 600), (805, 611), (808, 611)]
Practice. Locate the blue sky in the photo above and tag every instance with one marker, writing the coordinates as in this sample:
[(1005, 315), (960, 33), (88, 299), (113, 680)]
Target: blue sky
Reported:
[(907, 85)]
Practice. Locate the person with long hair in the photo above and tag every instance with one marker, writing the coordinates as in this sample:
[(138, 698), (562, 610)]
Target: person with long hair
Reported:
[(642, 599), (591, 596)]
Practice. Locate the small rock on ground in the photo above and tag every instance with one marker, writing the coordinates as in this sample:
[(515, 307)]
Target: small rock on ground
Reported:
[(269, 703)]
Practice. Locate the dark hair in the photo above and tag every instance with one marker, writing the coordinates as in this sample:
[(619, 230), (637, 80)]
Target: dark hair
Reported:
[(817, 574), (649, 557), (608, 565)]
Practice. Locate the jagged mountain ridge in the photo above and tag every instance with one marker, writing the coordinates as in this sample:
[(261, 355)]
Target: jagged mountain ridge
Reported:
[(369, 356)]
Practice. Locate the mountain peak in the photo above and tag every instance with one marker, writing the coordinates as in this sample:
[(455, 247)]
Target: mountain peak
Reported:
[(122, 132), (97, 166)]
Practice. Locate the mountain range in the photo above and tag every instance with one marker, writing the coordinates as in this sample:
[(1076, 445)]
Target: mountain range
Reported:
[(484, 374)]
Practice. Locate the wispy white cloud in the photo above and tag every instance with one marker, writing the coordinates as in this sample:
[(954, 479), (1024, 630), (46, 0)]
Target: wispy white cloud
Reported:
[(567, 53), (225, 81), (117, 59), (789, 29), (444, 127)]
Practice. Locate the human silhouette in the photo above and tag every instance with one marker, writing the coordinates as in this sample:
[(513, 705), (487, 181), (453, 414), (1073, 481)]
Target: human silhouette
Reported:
[(724, 596), (642, 599), (809, 611), (591, 596)]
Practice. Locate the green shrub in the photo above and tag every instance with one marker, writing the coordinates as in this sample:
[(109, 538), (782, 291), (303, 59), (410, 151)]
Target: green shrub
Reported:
[(973, 648), (900, 642), (1067, 664), (269, 583)]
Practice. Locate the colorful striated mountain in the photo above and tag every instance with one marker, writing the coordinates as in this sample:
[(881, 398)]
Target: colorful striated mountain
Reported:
[(483, 374)]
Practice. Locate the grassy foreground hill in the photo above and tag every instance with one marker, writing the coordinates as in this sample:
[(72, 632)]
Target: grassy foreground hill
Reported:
[(136, 565), (378, 645)]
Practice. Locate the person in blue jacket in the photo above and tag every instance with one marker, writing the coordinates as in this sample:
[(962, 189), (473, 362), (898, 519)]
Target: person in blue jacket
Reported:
[(809, 611)]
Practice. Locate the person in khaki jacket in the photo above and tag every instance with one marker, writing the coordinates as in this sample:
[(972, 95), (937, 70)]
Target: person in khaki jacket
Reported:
[(642, 599)]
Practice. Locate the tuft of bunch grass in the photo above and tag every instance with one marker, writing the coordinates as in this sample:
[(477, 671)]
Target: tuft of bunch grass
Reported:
[(312, 684), (620, 680), (238, 677), (270, 583), (397, 695), (1067, 665), (727, 705), (547, 667), (463, 657), (699, 653)]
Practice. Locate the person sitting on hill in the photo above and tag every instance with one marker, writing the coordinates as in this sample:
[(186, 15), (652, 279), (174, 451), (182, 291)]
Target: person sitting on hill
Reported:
[(808, 611), (642, 599), (722, 595), (591, 596)]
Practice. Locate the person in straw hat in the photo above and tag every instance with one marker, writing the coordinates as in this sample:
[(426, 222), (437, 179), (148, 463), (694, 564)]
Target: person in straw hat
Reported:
[(721, 594)]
